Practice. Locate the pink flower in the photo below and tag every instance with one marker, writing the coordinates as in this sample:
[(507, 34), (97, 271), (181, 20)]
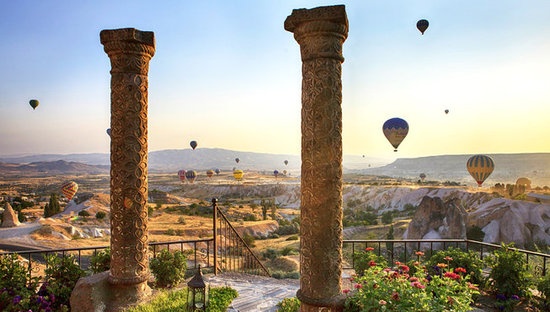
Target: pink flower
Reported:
[(452, 275), (419, 253), (382, 302), (418, 285), (358, 286), (448, 258), (404, 268), (346, 291), (460, 270), (413, 279), (395, 296)]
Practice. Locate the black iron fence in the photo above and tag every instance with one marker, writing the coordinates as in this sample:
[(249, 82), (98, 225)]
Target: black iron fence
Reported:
[(404, 250)]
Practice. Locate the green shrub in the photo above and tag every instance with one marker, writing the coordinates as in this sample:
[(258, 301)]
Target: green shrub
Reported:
[(170, 232), (16, 286), (169, 268), (100, 215), (249, 240), (165, 301), (455, 257), (289, 305), (364, 260), (286, 251), (83, 213), (475, 233), (510, 273), (544, 287), (220, 298), (62, 273), (270, 254), (292, 237), (181, 220), (100, 261)]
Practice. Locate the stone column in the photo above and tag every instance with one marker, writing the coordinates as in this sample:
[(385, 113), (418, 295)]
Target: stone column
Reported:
[(321, 32), (130, 51)]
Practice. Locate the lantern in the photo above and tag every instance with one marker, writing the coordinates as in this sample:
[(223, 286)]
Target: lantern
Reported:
[(197, 295)]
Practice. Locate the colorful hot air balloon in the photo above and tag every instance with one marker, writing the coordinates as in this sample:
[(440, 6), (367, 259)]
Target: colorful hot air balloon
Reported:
[(34, 103), (191, 175), (209, 173), (217, 171), (109, 131), (286, 162), (193, 144), (181, 174), (275, 173), (395, 130), (422, 25), (69, 189), (238, 174), (237, 160), (422, 176), (480, 167)]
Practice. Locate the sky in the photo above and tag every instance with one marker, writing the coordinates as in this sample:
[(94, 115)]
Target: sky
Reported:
[(227, 74)]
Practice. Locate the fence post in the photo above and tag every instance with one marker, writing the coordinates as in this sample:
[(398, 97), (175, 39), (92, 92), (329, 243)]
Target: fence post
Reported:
[(215, 229)]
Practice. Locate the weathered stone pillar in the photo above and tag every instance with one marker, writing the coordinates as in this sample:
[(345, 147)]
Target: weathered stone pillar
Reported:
[(321, 33)]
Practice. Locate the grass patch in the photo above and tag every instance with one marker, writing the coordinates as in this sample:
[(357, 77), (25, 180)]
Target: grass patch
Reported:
[(165, 301)]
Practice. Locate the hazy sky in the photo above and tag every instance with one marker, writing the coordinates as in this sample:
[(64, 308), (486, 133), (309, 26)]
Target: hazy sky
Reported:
[(228, 75)]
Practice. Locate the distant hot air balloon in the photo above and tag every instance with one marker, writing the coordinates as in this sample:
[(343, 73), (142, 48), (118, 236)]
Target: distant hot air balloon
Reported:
[(284, 172), (34, 103), (193, 144), (181, 174), (422, 176), (524, 182), (480, 167), (191, 175), (446, 111), (69, 189), (217, 171), (209, 173), (422, 25), (238, 174), (109, 131), (275, 173), (286, 162), (395, 130), (237, 160)]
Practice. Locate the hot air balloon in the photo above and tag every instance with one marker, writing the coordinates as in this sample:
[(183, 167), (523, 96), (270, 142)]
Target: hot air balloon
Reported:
[(286, 162), (34, 104), (238, 174), (480, 167), (237, 160), (275, 173), (422, 176), (69, 189), (193, 144), (524, 182), (395, 130), (109, 131), (422, 25), (446, 111), (217, 171), (191, 175), (209, 173), (181, 174)]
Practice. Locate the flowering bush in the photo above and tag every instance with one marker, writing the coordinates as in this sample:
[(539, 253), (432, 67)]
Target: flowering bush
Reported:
[(364, 260), (455, 257), (396, 288)]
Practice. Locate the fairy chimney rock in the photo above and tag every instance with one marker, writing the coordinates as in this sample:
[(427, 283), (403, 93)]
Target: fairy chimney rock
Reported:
[(9, 218), (437, 219)]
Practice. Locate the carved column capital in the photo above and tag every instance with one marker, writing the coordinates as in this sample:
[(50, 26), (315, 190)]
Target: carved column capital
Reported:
[(320, 32), (119, 44)]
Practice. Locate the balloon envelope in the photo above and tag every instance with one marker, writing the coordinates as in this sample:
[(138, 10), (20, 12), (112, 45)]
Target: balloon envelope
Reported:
[(237, 160), (193, 144), (422, 25), (217, 171), (238, 174), (395, 130), (446, 111), (422, 176), (275, 173), (69, 189), (181, 175), (34, 103), (480, 167), (191, 175), (209, 173), (109, 131), (286, 162)]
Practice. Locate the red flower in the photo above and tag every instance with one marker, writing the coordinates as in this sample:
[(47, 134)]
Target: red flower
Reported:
[(452, 275), (419, 253), (395, 296), (345, 291), (369, 249), (358, 286), (448, 258), (405, 268), (460, 270), (413, 279), (372, 263), (418, 285)]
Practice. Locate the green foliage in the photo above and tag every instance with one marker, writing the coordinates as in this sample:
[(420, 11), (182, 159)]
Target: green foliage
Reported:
[(543, 286), (100, 215), (165, 301), (455, 257), (270, 254), (181, 220), (387, 217), (169, 268), (52, 207), (283, 274), (100, 261), (366, 259), (289, 305), (359, 217), (286, 251), (220, 298), (510, 272), (292, 237), (382, 288), (475, 233), (62, 273), (84, 213), (249, 240)]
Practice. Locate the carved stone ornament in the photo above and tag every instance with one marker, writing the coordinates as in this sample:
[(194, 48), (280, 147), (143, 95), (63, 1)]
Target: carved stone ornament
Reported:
[(321, 33)]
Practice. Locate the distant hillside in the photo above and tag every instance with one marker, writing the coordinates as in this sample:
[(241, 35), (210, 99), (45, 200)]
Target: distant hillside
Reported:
[(508, 168), (59, 167)]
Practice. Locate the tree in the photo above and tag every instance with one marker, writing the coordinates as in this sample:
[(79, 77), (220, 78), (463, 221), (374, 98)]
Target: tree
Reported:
[(52, 207)]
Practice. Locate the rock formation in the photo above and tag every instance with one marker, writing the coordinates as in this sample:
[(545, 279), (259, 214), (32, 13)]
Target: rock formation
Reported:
[(9, 218), (436, 219)]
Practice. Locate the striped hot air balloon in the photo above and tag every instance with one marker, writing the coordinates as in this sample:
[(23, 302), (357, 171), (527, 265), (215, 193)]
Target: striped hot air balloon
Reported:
[(395, 130), (69, 189), (181, 175), (238, 174), (191, 175), (480, 167), (209, 173)]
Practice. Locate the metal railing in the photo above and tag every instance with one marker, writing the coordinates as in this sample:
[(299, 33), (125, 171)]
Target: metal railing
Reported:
[(403, 250)]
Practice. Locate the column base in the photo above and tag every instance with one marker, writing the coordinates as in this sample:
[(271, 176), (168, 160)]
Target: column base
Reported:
[(95, 293), (334, 304)]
